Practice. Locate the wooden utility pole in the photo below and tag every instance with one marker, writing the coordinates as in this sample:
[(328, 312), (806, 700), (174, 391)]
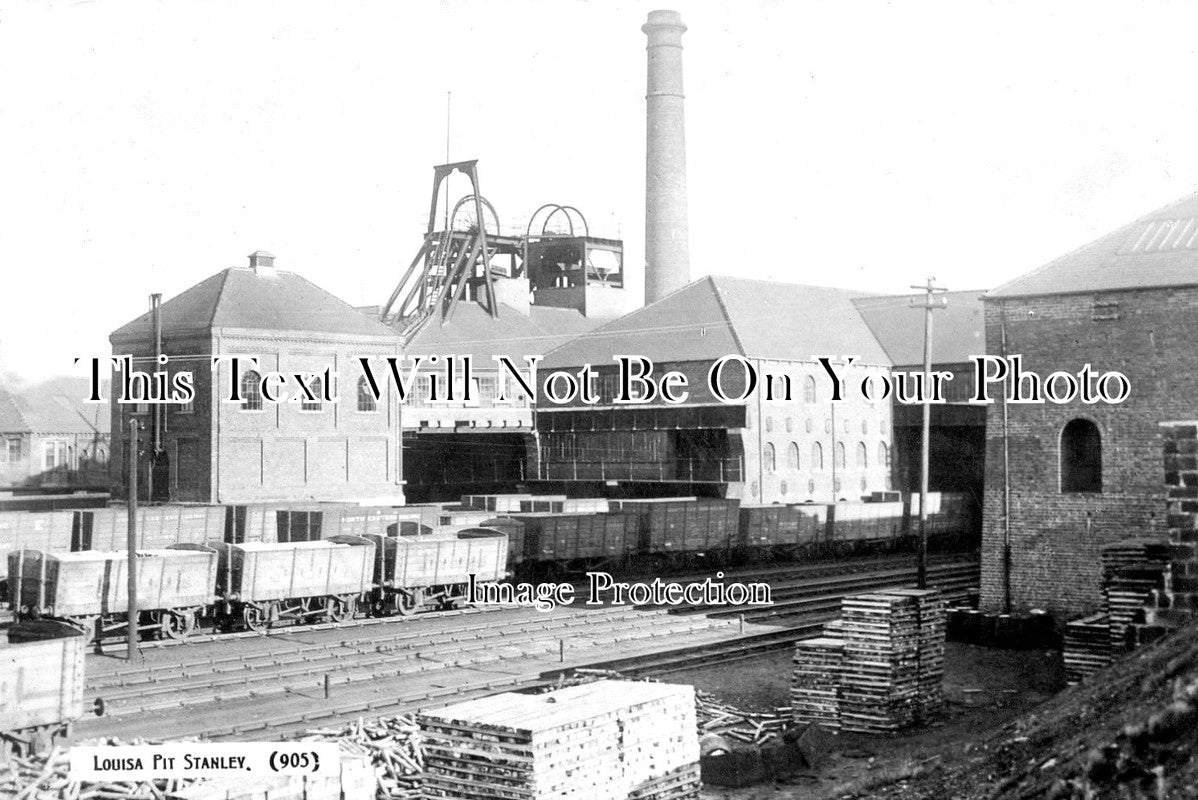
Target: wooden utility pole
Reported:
[(131, 544), (930, 304)]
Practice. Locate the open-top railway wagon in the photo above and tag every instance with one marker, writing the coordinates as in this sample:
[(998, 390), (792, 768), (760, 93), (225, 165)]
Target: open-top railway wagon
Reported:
[(89, 590), (41, 692), (257, 584), (432, 570)]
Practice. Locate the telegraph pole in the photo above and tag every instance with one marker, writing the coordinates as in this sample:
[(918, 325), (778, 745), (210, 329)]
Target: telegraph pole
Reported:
[(930, 304), (131, 568)]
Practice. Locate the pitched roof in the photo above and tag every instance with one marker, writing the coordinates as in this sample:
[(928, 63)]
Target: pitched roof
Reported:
[(1157, 250), (242, 297), (958, 329), (718, 316), (473, 331), (53, 406)]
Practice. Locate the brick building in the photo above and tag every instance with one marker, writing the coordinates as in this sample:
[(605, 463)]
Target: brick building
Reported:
[(222, 452), (49, 437), (1076, 476), (789, 449)]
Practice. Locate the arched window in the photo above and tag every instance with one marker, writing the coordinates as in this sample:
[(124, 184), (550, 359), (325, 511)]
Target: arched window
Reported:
[(792, 456), (251, 391), (817, 456), (769, 424), (317, 387), (862, 457), (809, 390), (366, 401), (883, 455), (1081, 457), (840, 455), (771, 463)]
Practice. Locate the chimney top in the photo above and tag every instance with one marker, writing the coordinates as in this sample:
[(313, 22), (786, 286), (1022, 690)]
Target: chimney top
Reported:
[(664, 18), (263, 263)]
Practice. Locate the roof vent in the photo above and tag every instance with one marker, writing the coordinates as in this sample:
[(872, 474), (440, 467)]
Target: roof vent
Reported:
[(263, 263)]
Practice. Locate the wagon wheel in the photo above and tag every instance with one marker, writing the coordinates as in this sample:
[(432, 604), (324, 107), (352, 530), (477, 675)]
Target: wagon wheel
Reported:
[(341, 609), (178, 624), (256, 619), (408, 603)]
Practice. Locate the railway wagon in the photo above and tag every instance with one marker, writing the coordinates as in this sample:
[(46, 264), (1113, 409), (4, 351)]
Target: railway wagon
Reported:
[(89, 590), (783, 530), (158, 527), (583, 541), (433, 570), (534, 503), (851, 523), (260, 583), (41, 693), (698, 526)]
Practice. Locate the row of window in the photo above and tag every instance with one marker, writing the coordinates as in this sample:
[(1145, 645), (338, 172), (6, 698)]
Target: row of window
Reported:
[(794, 462)]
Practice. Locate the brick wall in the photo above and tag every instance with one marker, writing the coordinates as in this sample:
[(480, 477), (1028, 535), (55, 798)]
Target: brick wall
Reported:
[(1056, 537)]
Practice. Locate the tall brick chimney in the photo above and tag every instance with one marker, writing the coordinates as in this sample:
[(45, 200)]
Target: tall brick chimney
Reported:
[(667, 251)]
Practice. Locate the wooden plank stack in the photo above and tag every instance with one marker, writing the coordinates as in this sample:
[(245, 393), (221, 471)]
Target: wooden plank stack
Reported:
[(815, 687), (1087, 646), (607, 740), (878, 668), (1131, 571), (932, 612), (880, 677)]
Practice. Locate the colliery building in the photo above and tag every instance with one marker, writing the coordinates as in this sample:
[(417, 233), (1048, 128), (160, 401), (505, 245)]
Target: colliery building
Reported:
[(796, 447), (1062, 480), (214, 451)]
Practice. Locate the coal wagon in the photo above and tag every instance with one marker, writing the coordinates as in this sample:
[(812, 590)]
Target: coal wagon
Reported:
[(89, 590), (41, 692)]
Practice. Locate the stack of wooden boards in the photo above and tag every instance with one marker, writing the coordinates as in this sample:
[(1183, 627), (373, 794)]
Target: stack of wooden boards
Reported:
[(607, 740), (1087, 646), (1132, 570), (879, 669)]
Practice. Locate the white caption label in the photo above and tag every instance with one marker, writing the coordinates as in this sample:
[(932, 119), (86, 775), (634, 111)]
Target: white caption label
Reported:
[(203, 760)]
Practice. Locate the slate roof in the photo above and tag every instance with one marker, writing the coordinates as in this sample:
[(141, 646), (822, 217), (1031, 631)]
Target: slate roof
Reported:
[(240, 297), (472, 331), (54, 406), (958, 329), (718, 316), (1157, 250)]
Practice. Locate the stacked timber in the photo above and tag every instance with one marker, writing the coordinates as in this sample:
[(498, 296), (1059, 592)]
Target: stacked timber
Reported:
[(1087, 646), (880, 677), (607, 740), (932, 614), (815, 687), (1132, 570)]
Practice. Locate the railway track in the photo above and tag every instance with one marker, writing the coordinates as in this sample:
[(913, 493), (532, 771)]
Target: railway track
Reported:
[(282, 691), (771, 574)]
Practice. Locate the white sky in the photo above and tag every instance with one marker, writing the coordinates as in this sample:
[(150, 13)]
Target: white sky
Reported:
[(145, 146)]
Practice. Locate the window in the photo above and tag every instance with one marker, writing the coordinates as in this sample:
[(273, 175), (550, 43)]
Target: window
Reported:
[(317, 388), (809, 390), (862, 456), (186, 408), (782, 488), (769, 424), (790, 424), (817, 456), (251, 392), (11, 451), (865, 426), (883, 455), (366, 401), (1081, 457), (810, 424), (792, 456), (771, 462), (840, 456), (56, 453)]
